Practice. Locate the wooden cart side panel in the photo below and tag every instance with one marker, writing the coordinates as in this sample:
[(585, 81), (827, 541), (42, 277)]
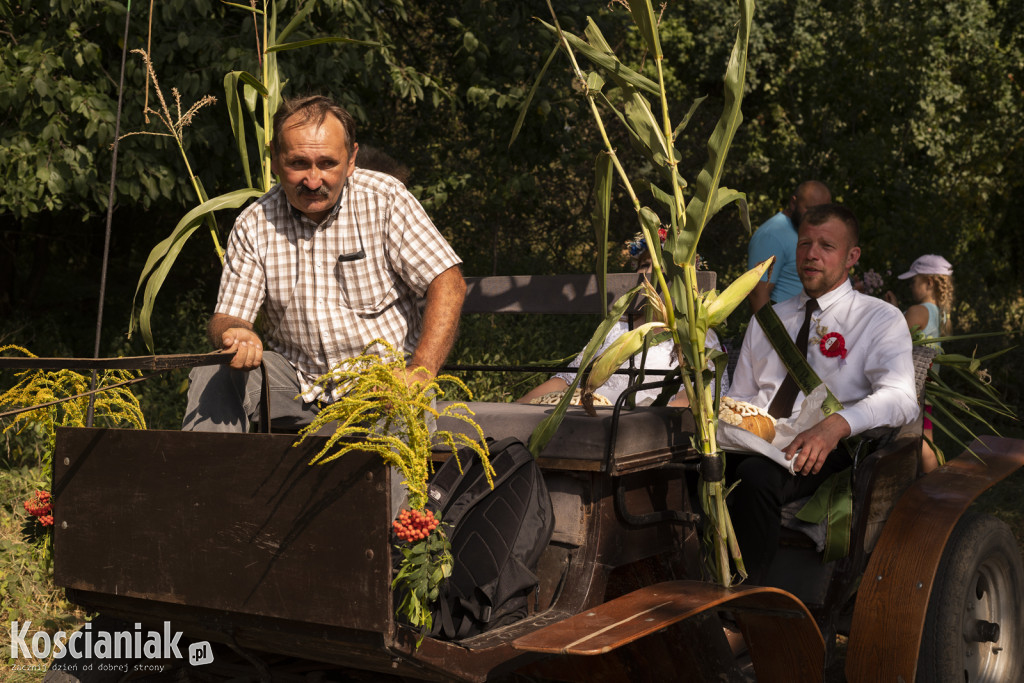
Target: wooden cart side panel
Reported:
[(234, 522), (892, 602)]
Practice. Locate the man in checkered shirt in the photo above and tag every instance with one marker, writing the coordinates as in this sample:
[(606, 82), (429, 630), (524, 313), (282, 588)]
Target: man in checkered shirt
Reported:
[(336, 256)]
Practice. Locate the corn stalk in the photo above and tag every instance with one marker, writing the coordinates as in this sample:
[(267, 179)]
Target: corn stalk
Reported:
[(681, 311)]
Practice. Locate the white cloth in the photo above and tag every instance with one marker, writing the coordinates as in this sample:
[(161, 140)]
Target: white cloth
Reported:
[(328, 290), (739, 440), (875, 382), (659, 357)]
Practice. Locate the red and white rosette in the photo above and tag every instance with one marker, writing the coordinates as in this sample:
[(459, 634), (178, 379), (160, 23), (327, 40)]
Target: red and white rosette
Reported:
[(833, 345)]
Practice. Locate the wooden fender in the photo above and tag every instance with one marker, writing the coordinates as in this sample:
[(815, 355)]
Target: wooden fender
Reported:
[(784, 641), (892, 601)]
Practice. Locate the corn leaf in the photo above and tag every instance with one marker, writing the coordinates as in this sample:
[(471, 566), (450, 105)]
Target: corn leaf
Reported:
[(235, 114), (645, 125), (168, 249), (247, 8), (546, 429), (525, 107), (320, 41), (647, 23), (602, 210), (705, 203), (686, 119), (606, 59)]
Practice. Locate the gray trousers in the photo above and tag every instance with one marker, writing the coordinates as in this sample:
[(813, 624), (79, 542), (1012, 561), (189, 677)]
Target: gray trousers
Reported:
[(222, 399)]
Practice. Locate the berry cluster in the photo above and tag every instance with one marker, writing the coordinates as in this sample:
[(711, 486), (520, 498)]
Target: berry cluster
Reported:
[(414, 525), (40, 507)]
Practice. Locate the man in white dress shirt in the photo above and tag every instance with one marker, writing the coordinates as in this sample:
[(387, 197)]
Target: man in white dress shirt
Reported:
[(868, 367)]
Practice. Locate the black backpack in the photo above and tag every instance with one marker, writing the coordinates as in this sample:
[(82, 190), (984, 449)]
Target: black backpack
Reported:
[(497, 537)]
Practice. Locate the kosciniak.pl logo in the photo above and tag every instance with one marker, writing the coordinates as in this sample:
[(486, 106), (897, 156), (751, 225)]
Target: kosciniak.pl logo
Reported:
[(86, 643)]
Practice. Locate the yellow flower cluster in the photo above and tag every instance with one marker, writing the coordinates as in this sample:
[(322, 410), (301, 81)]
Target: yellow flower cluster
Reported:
[(378, 412), (114, 407)]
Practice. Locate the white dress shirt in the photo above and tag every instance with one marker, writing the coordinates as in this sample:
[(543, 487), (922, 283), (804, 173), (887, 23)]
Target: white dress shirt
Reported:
[(875, 382)]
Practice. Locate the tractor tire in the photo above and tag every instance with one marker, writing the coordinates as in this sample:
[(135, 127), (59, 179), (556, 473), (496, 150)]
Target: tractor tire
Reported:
[(974, 628)]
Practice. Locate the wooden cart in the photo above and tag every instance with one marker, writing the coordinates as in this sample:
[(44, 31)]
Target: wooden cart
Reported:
[(235, 540)]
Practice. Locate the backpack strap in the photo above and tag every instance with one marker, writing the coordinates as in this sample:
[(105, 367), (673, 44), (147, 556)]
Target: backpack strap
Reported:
[(796, 363)]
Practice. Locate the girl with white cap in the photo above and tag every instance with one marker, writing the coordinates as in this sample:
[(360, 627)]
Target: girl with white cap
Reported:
[(932, 289)]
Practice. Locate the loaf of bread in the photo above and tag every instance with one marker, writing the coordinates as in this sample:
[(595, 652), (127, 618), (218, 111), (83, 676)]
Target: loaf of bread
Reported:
[(748, 417)]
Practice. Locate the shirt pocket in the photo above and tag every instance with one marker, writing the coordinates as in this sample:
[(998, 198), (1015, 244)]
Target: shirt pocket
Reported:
[(367, 287)]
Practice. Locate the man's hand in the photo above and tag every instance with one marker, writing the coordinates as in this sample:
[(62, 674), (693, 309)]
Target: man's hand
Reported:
[(246, 346), (234, 335), (811, 447)]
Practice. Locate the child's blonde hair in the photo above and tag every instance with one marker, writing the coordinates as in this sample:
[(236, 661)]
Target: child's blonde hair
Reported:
[(942, 288)]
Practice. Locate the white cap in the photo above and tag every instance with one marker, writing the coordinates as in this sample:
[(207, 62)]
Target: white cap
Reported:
[(929, 264)]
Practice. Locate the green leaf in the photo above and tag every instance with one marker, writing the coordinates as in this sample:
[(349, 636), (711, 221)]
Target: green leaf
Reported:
[(247, 8), (235, 114), (665, 199), (647, 23), (602, 210), (546, 429), (321, 41), (168, 249), (606, 60), (529, 96), (642, 121), (686, 119), (705, 203)]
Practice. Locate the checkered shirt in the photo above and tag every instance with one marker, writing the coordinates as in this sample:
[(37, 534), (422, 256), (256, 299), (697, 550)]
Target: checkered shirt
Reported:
[(319, 309)]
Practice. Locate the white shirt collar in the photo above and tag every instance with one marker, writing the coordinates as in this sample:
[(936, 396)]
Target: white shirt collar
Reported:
[(829, 298)]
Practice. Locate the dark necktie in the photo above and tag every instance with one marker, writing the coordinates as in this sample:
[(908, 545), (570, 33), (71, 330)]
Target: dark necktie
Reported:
[(782, 404)]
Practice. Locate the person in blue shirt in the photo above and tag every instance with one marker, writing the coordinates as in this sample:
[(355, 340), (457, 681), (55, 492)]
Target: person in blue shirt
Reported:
[(777, 237)]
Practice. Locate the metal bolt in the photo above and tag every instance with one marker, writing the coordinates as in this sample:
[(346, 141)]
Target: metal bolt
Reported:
[(878, 578), (369, 476), (67, 461), (63, 525), (920, 585), (369, 554)]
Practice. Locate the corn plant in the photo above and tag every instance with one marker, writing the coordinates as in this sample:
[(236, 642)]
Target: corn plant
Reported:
[(251, 101), (681, 313)]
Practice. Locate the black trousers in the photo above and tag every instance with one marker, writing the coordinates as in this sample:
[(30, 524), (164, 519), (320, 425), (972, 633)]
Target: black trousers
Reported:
[(755, 505)]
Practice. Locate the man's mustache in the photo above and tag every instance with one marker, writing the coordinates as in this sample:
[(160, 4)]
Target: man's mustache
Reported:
[(321, 191)]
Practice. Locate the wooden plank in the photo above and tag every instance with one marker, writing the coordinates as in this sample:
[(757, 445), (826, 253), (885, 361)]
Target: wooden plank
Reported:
[(552, 294), (234, 522), (167, 362), (892, 602), (786, 651)]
